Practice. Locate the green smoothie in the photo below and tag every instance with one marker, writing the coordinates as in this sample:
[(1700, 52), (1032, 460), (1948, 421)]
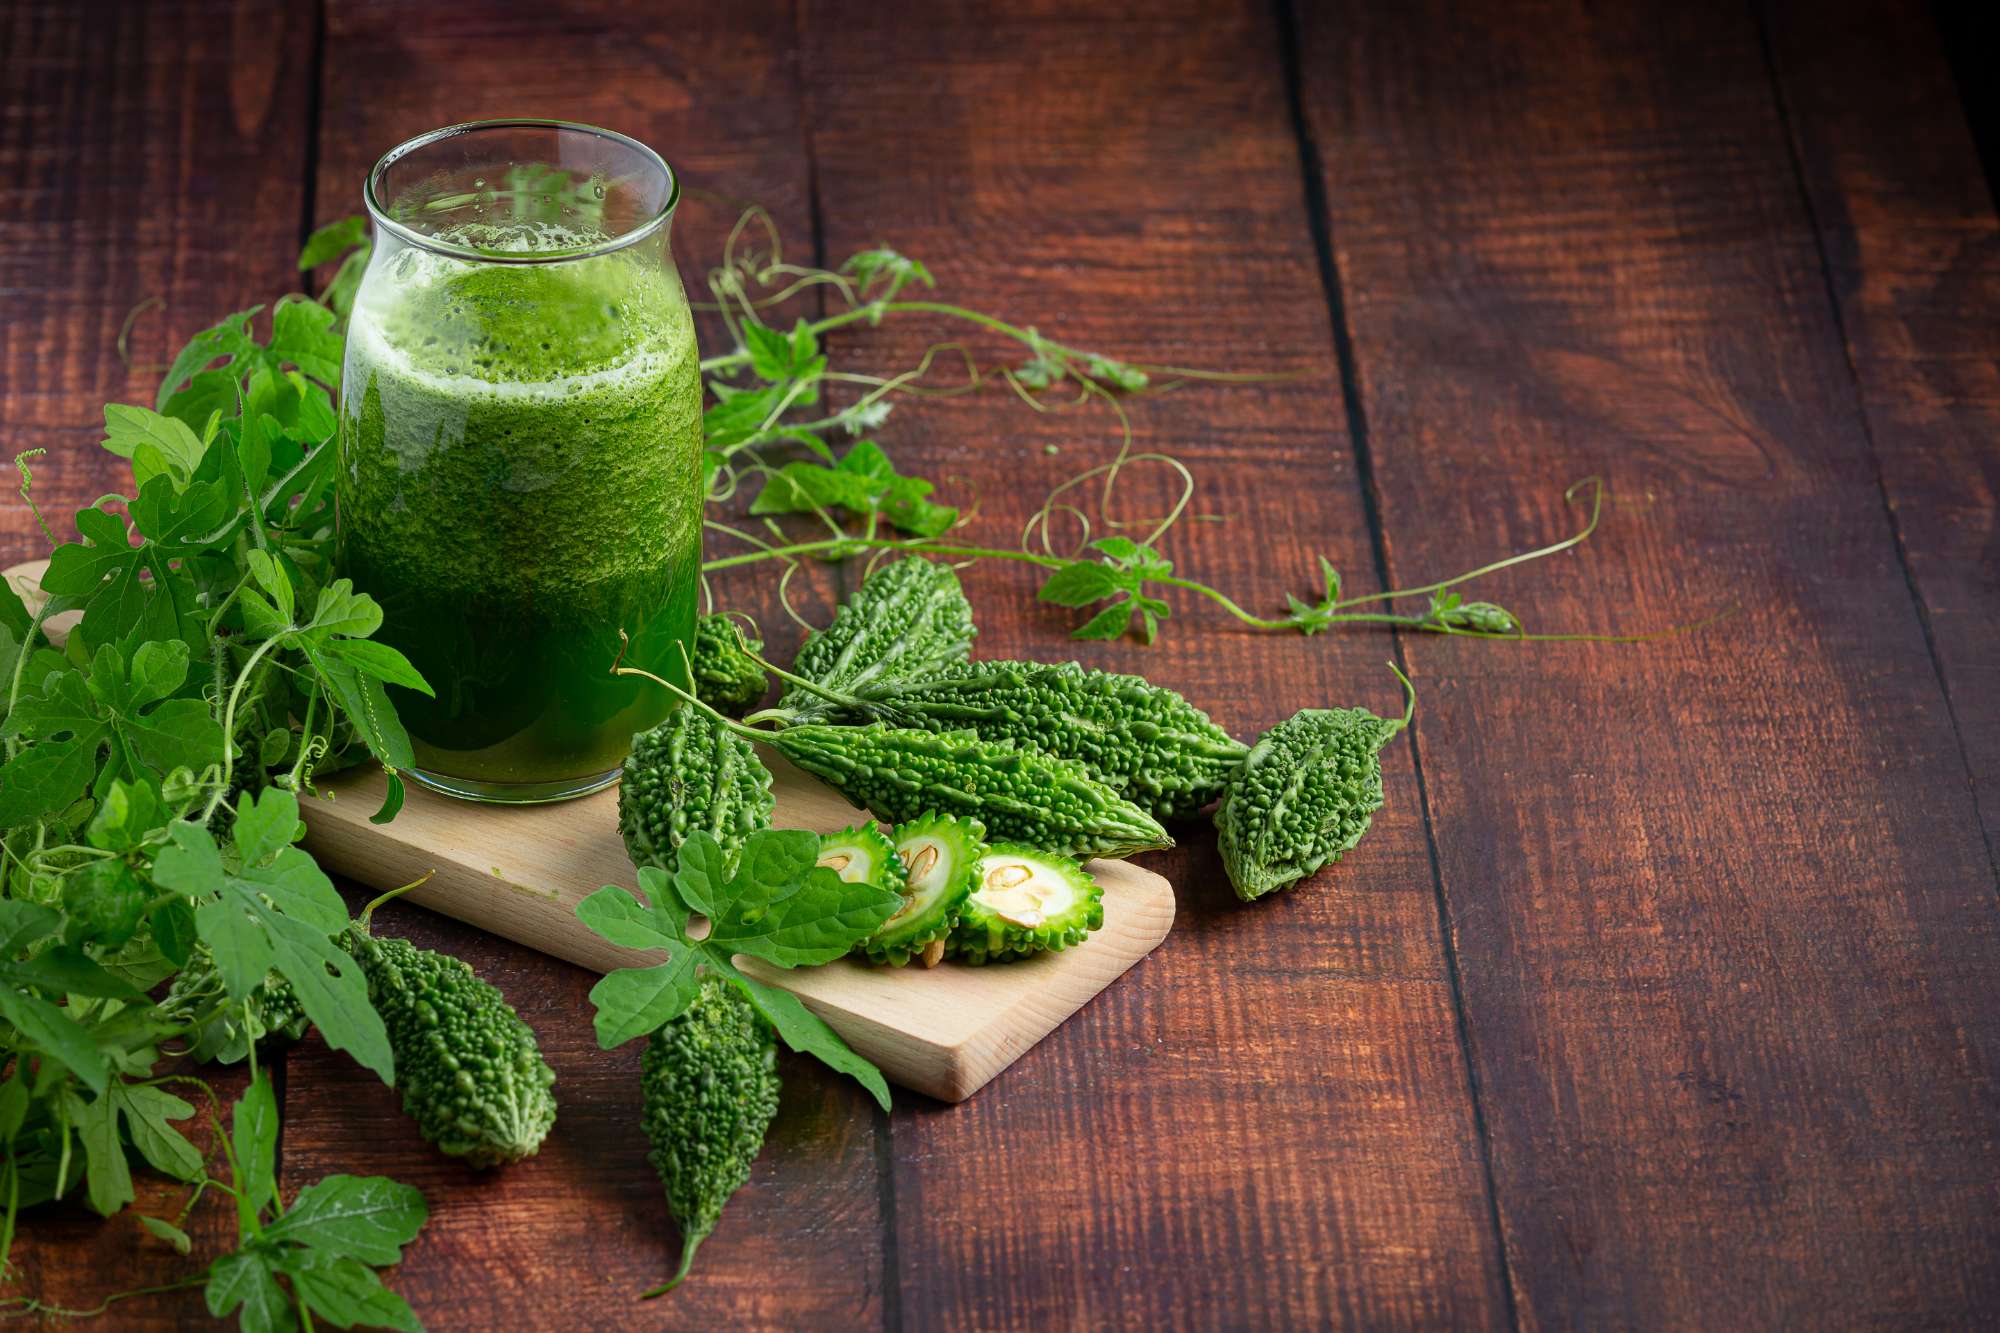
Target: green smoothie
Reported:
[(521, 449)]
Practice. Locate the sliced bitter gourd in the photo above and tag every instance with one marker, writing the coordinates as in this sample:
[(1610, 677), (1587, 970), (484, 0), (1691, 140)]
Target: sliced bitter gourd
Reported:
[(937, 853), (862, 855), (1025, 902)]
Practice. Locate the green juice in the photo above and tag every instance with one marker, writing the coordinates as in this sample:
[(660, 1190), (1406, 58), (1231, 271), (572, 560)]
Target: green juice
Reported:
[(521, 456)]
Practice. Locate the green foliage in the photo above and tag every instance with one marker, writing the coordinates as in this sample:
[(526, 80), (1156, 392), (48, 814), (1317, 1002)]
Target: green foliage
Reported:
[(778, 904), (905, 621), (709, 1092), (691, 774), (864, 485), (1143, 741), (1025, 902), (1305, 796), (938, 853), (471, 1072), (727, 677), (222, 1032), (1019, 794), (326, 1245)]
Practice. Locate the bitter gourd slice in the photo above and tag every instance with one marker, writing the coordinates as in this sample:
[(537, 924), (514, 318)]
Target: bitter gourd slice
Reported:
[(726, 677), (905, 621), (693, 771), (1025, 902), (938, 853), (862, 855), (1017, 793), (709, 1088), (1305, 796), (1143, 741)]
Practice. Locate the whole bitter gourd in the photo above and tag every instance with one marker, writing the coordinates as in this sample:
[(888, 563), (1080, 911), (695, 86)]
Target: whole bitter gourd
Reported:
[(272, 1015), (1025, 902), (693, 771), (905, 621), (938, 853), (1304, 797), (1018, 793), (710, 1088), (1145, 742), (726, 677), (471, 1074)]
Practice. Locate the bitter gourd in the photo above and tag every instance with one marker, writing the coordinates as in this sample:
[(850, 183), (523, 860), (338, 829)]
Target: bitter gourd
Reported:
[(905, 621), (693, 771), (1018, 793), (863, 854), (710, 1088), (471, 1074), (1025, 902), (1145, 742), (726, 677), (1304, 797), (272, 1014), (938, 852)]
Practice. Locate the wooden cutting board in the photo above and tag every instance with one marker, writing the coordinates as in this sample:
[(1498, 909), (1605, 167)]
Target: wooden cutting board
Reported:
[(519, 871)]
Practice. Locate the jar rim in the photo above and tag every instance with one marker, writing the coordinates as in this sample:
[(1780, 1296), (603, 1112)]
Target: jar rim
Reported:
[(379, 213)]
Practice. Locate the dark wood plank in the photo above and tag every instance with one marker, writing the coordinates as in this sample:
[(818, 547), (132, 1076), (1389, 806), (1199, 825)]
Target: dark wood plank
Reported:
[(1721, 907), (151, 153), (1906, 218), (1267, 1122), (583, 1228)]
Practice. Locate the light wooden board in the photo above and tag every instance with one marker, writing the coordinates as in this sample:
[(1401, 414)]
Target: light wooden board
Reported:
[(519, 871)]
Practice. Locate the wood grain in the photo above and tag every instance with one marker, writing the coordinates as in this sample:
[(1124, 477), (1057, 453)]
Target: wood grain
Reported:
[(1912, 250), (944, 1031), (1723, 920), (1267, 1123)]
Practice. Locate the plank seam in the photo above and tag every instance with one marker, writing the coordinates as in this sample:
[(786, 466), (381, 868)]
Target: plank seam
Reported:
[(1814, 224), (1312, 172)]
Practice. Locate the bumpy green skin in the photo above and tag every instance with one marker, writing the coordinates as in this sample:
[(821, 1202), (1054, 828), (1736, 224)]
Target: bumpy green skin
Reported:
[(904, 622), (709, 1084), (932, 906), (691, 773), (274, 1011), (1147, 743), (727, 678), (985, 936), (1305, 796), (865, 855), (1018, 793), (470, 1071)]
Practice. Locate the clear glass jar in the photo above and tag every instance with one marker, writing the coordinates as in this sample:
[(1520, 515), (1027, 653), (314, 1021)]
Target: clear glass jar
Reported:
[(520, 449)]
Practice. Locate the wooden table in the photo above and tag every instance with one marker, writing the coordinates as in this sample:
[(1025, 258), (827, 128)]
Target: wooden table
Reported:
[(1662, 992)]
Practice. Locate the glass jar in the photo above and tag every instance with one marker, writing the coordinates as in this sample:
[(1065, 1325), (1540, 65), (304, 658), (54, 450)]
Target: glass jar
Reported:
[(520, 450)]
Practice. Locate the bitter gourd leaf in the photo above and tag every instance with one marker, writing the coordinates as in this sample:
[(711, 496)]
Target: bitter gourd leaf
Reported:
[(938, 853), (727, 677), (1025, 902), (1016, 792), (472, 1075), (1305, 796), (691, 773), (270, 1013), (1143, 741), (709, 1089), (905, 621)]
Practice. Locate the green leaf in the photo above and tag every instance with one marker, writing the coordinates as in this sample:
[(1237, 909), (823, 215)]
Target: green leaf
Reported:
[(109, 1178), (625, 921), (56, 1035), (244, 1279), (266, 824), (369, 1218), (807, 1033), (302, 334), (67, 970), (380, 661), (635, 1001), (345, 1292), (271, 576), (22, 923), (1079, 583), (701, 873), (367, 707), (159, 446), (816, 924), (106, 902), (253, 1139), (169, 1233), (231, 338), (770, 351), (341, 610), (331, 241), (1109, 623)]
